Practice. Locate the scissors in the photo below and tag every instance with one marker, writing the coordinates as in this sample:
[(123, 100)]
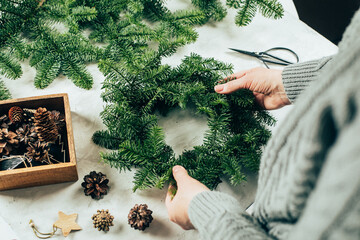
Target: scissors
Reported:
[(266, 57)]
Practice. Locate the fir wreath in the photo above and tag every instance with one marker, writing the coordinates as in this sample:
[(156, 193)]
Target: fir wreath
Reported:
[(237, 125)]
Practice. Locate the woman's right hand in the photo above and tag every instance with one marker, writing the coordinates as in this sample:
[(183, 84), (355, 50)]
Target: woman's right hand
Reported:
[(266, 84)]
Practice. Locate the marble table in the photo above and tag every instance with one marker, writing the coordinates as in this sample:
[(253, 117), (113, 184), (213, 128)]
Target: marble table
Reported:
[(182, 129)]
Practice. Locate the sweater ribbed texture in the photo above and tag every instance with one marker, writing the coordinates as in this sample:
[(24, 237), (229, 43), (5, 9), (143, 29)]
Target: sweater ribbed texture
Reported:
[(206, 205), (297, 77), (309, 181)]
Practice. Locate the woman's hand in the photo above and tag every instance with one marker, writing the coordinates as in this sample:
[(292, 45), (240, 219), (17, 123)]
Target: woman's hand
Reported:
[(187, 188), (266, 84)]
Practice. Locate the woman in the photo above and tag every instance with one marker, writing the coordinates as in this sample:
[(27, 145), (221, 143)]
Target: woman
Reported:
[(309, 179)]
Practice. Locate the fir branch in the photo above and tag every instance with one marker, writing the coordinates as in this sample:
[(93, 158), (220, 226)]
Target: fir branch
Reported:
[(154, 10), (9, 67), (77, 73), (4, 92), (270, 8), (82, 13), (246, 13), (26, 31), (18, 48), (107, 139), (114, 159), (47, 72), (144, 178), (233, 169)]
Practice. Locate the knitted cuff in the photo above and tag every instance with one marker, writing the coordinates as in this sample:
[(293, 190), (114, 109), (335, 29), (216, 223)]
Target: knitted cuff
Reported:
[(297, 77), (205, 206)]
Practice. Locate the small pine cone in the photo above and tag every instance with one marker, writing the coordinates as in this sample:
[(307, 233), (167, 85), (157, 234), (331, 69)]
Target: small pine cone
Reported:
[(140, 217), (8, 140), (59, 119), (26, 134), (103, 220), (38, 151), (29, 114), (95, 185), (5, 121), (16, 114), (45, 126)]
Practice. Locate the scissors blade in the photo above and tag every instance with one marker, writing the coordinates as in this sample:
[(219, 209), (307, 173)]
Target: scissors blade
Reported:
[(253, 54)]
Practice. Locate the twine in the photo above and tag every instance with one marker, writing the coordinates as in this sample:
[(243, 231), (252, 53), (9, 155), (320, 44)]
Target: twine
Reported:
[(38, 233), (22, 157)]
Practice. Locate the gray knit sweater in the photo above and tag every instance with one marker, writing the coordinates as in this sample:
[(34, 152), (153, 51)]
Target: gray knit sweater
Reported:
[(309, 180)]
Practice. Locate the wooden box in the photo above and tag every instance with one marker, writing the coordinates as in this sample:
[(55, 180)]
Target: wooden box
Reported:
[(45, 174)]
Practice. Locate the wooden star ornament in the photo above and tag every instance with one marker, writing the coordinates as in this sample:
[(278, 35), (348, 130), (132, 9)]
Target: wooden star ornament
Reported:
[(67, 223)]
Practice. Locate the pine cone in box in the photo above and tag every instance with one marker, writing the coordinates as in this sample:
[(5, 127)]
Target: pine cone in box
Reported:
[(59, 119), (140, 217), (102, 220), (95, 185), (5, 121), (8, 140), (45, 126), (16, 114), (27, 134), (38, 151), (29, 114)]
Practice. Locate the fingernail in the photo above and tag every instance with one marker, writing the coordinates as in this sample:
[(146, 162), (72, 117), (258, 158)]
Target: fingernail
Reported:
[(176, 168), (219, 88)]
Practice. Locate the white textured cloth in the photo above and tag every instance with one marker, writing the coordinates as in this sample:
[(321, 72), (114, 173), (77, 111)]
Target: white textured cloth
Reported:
[(309, 179)]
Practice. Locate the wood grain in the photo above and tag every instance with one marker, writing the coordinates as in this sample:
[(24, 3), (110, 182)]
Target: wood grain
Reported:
[(47, 174)]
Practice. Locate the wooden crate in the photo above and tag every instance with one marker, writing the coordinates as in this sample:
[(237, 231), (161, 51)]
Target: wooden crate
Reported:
[(46, 174)]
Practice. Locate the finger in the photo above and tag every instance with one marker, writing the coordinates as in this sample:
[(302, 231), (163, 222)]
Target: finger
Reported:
[(180, 175), (233, 86), (233, 76), (168, 198), (259, 99)]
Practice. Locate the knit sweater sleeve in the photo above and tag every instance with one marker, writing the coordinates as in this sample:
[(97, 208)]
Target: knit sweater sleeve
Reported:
[(297, 77), (218, 216)]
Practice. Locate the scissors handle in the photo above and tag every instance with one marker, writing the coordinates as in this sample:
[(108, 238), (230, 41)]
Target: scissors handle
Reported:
[(266, 57)]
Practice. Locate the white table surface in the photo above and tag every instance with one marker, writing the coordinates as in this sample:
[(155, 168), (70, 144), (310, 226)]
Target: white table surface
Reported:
[(182, 129)]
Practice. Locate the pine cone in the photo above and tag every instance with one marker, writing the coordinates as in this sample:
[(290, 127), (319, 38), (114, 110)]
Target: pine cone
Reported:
[(95, 185), (39, 151), (29, 114), (102, 220), (26, 134), (45, 126), (58, 118), (5, 121), (140, 217), (16, 114), (8, 140)]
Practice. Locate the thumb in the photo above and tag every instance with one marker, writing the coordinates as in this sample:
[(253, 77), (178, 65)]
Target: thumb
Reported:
[(180, 174), (233, 86)]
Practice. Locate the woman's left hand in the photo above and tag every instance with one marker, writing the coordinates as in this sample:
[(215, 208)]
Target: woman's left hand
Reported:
[(187, 189)]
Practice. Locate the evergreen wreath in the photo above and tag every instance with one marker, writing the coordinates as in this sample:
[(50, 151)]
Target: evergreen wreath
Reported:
[(27, 32), (237, 125)]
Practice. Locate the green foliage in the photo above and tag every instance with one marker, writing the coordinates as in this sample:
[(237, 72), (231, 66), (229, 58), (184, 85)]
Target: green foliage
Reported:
[(26, 31), (246, 12), (4, 92), (248, 8), (9, 67), (137, 85), (136, 35)]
